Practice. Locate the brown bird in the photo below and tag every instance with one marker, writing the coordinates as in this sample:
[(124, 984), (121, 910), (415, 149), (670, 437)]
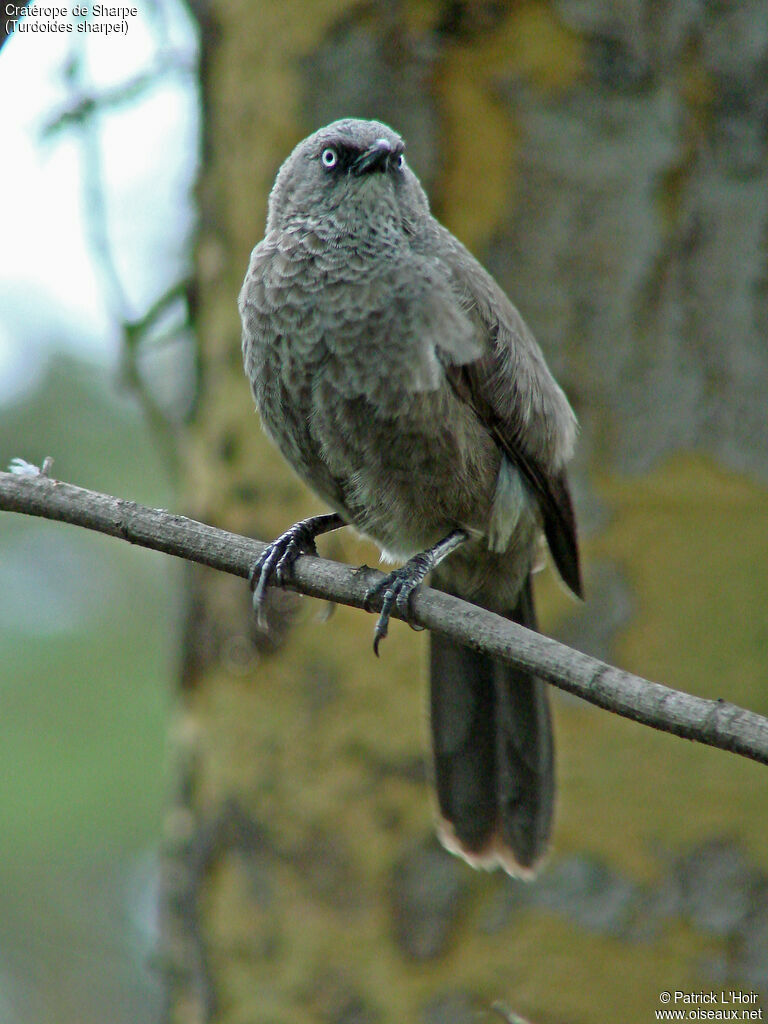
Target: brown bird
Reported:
[(403, 386)]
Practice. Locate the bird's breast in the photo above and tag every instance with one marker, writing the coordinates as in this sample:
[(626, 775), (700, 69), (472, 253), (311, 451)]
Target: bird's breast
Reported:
[(345, 364)]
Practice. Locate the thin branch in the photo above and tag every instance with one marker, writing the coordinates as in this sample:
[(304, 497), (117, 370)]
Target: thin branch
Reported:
[(87, 102), (713, 722), (84, 114)]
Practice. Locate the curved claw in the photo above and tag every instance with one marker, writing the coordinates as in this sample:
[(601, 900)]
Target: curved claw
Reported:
[(382, 623), (398, 589), (275, 563), (259, 577)]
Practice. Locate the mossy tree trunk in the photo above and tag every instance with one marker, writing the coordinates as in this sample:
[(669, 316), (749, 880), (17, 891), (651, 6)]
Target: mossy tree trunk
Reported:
[(607, 161)]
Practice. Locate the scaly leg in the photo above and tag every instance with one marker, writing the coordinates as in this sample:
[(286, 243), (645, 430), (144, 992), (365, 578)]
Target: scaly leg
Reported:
[(398, 587)]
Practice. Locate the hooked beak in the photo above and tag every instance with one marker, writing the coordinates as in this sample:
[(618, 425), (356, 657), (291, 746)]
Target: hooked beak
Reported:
[(375, 158)]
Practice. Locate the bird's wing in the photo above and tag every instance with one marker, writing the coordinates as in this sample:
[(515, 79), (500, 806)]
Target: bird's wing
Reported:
[(512, 391)]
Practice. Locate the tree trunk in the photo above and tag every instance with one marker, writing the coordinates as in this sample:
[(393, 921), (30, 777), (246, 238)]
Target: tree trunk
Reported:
[(607, 162)]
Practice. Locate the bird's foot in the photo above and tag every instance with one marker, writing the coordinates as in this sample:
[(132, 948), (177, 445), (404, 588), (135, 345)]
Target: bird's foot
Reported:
[(274, 565), (396, 591)]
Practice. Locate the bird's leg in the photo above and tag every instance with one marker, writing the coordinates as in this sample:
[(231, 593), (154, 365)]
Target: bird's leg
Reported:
[(276, 561), (397, 588)]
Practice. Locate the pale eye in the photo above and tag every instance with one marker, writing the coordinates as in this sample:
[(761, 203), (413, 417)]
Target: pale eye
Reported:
[(330, 157), (400, 162)]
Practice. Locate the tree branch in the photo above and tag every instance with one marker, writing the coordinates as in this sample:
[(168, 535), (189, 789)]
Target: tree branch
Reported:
[(716, 723)]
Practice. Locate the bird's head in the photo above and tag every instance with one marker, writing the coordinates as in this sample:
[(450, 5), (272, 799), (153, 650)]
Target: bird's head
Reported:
[(347, 178)]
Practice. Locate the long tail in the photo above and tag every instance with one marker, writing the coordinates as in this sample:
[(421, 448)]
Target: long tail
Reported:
[(493, 754)]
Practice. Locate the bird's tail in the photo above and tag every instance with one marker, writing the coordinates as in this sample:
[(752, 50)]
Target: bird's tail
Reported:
[(493, 754)]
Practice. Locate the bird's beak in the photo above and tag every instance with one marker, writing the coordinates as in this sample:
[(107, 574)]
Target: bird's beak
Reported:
[(375, 158)]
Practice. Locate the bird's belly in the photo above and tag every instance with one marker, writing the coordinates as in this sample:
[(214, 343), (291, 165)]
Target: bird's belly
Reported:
[(411, 471)]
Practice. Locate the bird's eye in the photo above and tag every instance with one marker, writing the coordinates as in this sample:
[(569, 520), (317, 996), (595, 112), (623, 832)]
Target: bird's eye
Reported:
[(400, 162), (329, 157)]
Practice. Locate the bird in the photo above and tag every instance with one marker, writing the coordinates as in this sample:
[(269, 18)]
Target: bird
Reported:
[(402, 385)]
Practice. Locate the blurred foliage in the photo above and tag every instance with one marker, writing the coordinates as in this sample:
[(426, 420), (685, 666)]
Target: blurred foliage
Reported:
[(89, 638), (89, 629)]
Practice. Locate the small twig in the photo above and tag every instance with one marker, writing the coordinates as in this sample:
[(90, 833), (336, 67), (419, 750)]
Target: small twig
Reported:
[(88, 102), (83, 115), (713, 722), (506, 1014)]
